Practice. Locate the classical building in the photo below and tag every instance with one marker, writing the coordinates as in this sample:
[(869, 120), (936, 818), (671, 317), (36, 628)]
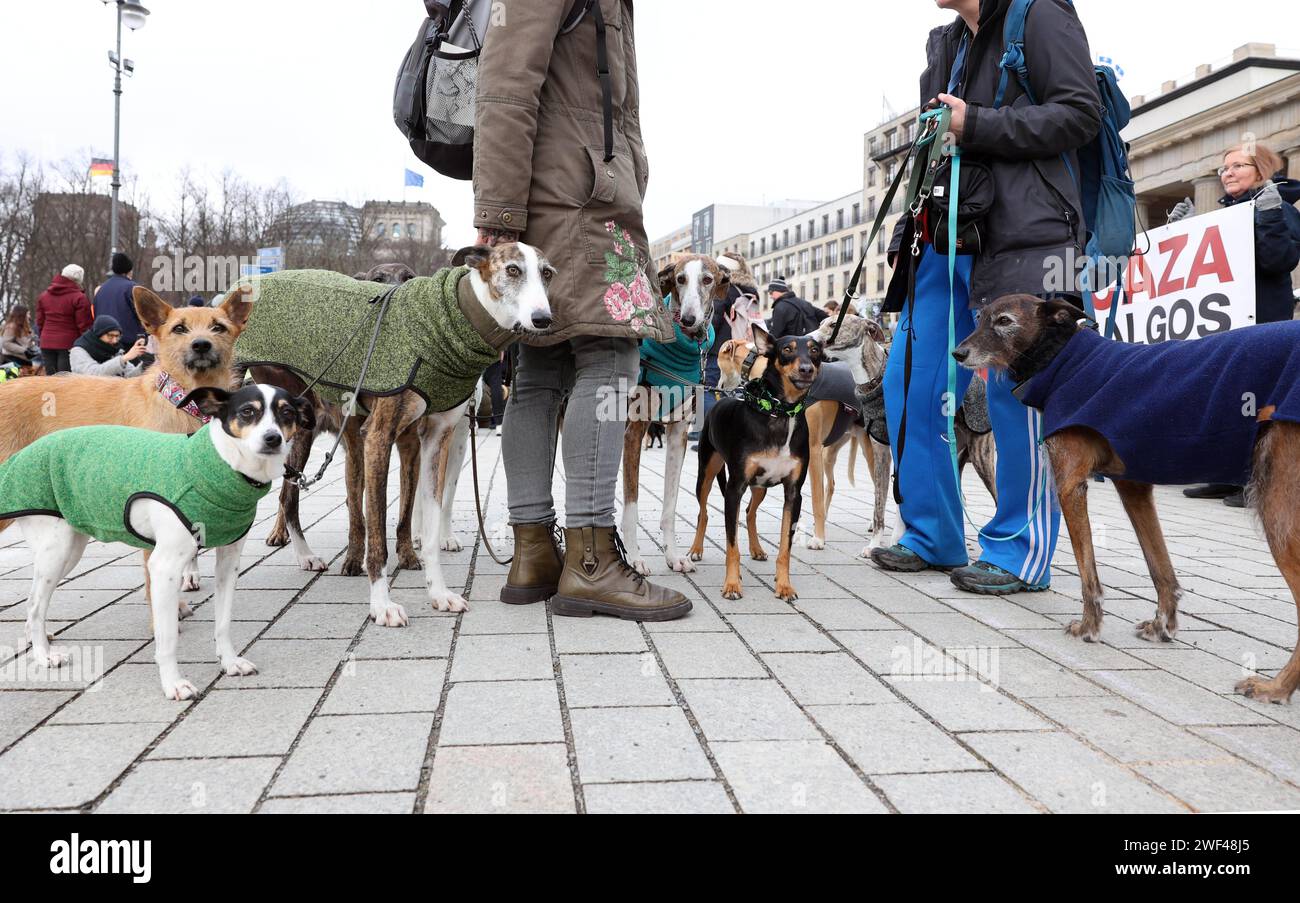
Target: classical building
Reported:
[(1178, 137), (388, 221)]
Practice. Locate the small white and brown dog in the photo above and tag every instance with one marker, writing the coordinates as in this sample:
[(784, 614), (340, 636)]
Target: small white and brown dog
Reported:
[(251, 431)]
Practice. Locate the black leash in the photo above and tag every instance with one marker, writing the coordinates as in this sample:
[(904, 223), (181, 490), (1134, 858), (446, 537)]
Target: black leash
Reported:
[(295, 476), (478, 502)]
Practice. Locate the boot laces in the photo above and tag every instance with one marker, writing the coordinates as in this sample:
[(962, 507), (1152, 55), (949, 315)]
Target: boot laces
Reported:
[(622, 558), (557, 538)]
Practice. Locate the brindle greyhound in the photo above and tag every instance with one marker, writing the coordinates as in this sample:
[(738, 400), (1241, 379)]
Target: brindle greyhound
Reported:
[(757, 443)]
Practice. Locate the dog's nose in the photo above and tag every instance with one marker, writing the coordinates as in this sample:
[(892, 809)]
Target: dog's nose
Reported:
[(961, 354), (542, 321), (688, 322), (272, 440), (201, 346), (807, 370)]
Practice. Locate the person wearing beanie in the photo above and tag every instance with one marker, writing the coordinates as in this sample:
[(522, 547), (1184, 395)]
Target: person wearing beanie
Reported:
[(197, 301), (97, 353), (62, 314), (114, 299), (791, 315)]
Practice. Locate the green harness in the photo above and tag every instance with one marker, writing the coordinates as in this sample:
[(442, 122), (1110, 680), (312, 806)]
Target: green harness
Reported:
[(761, 398), (435, 339), (90, 475)]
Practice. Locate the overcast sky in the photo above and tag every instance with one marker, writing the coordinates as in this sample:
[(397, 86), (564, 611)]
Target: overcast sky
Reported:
[(743, 100)]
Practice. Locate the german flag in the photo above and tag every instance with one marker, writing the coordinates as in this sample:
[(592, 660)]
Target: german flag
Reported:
[(100, 167)]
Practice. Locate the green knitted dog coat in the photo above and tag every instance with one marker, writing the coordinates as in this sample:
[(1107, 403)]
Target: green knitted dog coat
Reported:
[(436, 338), (90, 475)]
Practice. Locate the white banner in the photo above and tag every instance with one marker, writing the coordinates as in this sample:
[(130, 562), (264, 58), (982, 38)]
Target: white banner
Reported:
[(1189, 280)]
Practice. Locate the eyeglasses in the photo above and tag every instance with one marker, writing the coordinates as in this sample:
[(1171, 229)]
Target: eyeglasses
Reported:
[(1236, 167)]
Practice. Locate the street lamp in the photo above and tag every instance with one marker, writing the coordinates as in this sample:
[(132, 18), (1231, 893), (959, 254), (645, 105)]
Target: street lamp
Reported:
[(132, 15)]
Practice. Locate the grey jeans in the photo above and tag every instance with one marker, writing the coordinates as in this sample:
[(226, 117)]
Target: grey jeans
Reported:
[(593, 373)]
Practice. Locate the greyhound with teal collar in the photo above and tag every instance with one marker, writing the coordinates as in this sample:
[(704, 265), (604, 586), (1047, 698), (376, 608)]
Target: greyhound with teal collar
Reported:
[(167, 493)]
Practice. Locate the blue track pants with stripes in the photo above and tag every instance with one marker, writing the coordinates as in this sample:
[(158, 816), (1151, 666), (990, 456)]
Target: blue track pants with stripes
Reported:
[(931, 506)]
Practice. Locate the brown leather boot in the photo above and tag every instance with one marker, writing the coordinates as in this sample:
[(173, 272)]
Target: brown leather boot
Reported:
[(535, 570), (597, 579)]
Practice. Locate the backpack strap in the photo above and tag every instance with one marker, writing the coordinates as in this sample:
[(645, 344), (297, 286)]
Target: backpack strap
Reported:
[(606, 83), (577, 13), (1013, 60)]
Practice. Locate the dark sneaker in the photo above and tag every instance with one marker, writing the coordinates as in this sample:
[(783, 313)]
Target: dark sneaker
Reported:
[(903, 560), (1212, 491), (991, 580), (1236, 500)]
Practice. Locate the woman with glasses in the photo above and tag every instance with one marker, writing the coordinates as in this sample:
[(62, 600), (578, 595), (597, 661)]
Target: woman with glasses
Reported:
[(1253, 172)]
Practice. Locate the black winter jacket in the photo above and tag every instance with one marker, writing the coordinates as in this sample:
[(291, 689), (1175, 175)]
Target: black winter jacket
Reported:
[(1037, 215), (1277, 251), (791, 316)]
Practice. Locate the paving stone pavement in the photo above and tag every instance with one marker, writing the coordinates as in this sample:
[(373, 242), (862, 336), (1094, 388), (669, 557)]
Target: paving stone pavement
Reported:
[(872, 693)]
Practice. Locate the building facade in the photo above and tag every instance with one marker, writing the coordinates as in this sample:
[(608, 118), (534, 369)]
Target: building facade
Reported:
[(394, 221)]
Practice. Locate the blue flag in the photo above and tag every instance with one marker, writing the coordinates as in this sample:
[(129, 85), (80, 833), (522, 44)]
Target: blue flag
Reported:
[(414, 179)]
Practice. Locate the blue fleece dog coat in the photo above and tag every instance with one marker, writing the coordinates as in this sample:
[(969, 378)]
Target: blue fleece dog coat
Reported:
[(1179, 412)]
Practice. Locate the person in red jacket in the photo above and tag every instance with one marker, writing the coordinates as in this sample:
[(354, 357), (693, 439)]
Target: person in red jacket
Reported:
[(62, 315)]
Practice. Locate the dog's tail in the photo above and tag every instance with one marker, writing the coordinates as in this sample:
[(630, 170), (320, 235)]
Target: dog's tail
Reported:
[(864, 442)]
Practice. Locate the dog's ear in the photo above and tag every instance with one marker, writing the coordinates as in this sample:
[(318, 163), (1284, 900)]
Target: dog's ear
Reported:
[(667, 279), (875, 332), (237, 307), (152, 310), (210, 400), (1060, 313), (762, 340), (306, 412), (475, 256)]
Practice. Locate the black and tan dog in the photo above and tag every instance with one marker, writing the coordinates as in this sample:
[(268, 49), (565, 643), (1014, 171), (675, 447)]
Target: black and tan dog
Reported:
[(758, 442), (1156, 415)]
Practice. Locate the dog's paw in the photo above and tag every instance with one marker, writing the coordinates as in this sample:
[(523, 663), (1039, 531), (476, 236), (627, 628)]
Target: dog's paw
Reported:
[(312, 563), (352, 567), (392, 615), (785, 592), (1089, 633), (681, 565), (446, 600), (190, 583), (184, 610), (697, 554), (757, 554), (640, 566), (451, 543), (732, 590), (238, 667), (1155, 631), (180, 690), (278, 538), (53, 660), (816, 543), (1262, 690), (408, 560)]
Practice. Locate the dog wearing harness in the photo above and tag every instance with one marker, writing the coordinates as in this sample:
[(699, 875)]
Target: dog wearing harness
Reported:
[(756, 442), (671, 377)]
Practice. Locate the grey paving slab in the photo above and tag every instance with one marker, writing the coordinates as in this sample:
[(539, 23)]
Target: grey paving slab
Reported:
[(251, 722), (290, 663), (817, 678), (59, 766), (973, 791), (597, 635), (954, 630), (614, 680), (372, 687), (501, 779), (1272, 748), (844, 614), (675, 798), (192, 787), (317, 622), (496, 617), (22, 710), (780, 633), (502, 712), (793, 777), (498, 657), (1224, 784), (892, 738), (636, 744), (1124, 731), (1176, 699), (707, 655), (1067, 776), (356, 753), (128, 693), (347, 804), (967, 704), (1026, 674), (424, 638), (746, 710)]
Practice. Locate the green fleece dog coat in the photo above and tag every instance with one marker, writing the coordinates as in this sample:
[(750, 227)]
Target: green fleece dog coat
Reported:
[(436, 338), (90, 475)]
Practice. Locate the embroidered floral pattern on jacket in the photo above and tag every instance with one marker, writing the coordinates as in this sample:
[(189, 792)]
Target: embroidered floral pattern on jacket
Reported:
[(629, 298)]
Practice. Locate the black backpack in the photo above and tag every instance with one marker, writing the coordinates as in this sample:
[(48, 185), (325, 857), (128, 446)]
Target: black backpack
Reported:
[(433, 100)]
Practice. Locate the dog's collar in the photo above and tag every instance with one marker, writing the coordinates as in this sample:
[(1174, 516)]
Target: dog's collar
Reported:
[(484, 324), (750, 360), (760, 397), (175, 393)]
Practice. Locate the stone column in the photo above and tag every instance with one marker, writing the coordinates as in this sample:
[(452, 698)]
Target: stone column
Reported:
[(1208, 191), (1292, 162)]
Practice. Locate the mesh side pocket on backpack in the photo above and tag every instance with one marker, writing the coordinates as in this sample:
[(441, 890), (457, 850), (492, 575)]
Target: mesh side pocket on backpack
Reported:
[(449, 100)]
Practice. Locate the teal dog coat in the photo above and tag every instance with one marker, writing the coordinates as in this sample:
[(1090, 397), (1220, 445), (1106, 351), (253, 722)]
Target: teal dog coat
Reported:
[(90, 475)]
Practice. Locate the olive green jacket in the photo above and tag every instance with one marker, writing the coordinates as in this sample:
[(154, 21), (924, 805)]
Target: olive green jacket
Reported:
[(436, 338), (90, 475)]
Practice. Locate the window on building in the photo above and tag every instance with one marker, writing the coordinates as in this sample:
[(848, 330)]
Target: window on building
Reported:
[(880, 278), (847, 277), (839, 220), (832, 254), (817, 290), (785, 238), (803, 261), (857, 214), (872, 144), (812, 229), (381, 229), (789, 264), (798, 234), (826, 223), (880, 242), (830, 288), (817, 258), (871, 176), (397, 230), (412, 231), (847, 249), (871, 209)]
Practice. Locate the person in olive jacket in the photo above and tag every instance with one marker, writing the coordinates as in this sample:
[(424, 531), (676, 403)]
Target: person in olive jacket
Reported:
[(543, 174)]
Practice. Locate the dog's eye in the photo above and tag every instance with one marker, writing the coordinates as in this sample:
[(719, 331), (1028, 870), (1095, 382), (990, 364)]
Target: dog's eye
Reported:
[(708, 280), (179, 329), (217, 327), (547, 274), (681, 280), (513, 271), (1005, 320), (248, 412)]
